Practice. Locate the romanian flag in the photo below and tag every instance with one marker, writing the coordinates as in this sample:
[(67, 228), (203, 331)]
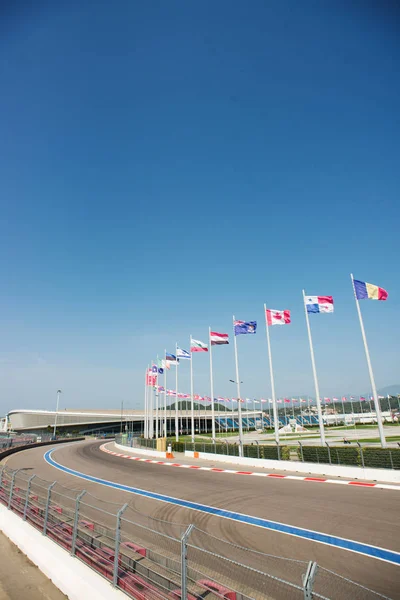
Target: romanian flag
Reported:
[(368, 290)]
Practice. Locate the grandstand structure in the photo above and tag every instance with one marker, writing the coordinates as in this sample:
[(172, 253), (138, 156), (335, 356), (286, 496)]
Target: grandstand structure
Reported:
[(99, 422)]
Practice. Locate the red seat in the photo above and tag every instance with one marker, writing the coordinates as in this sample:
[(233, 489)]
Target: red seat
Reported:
[(220, 590)]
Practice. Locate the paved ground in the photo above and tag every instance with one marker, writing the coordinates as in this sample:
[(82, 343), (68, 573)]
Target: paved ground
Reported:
[(363, 514), (19, 578)]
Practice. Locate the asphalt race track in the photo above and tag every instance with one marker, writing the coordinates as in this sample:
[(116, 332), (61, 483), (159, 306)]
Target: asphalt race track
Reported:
[(362, 514)]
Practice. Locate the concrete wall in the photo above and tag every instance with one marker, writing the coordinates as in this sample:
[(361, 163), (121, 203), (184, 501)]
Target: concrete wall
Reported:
[(143, 451), (306, 468)]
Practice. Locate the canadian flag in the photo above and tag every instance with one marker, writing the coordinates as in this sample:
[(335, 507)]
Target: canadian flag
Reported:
[(277, 317)]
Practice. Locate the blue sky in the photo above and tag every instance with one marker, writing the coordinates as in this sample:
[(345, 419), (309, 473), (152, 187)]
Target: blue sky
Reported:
[(165, 165)]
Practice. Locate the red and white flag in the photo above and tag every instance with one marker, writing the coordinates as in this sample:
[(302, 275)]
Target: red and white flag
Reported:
[(217, 339), (277, 317)]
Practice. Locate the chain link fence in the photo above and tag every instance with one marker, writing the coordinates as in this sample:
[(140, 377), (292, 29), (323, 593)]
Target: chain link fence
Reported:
[(152, 558)]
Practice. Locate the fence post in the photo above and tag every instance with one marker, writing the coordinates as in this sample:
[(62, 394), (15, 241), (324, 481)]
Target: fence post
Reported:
[(361, 454), (301, 450), (1, 476), (46, 512), (391, 459), (227, 447), (184, 540), (308, 580), (329, 453), (258, 448), (76, 519), (12, 487), (28, 491), (279, 450), (117, 543)]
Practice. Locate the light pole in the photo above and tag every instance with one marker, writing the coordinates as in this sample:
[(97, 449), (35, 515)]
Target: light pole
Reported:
[(239, 416), (55, 420)]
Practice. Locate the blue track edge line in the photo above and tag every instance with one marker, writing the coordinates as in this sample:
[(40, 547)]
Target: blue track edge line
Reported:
[(389, 556)]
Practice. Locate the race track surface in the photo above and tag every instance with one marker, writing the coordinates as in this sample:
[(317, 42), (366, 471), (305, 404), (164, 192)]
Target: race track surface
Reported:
[(367, 515)]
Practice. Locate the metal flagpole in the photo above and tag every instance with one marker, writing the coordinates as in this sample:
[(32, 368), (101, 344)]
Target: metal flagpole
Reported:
[(211, 387), (158, 428), (271, 371), (238, 393), (165, 394), (371, 374), (318, 400), (191, 391), (151, 423), (176, 397), (145, 422)]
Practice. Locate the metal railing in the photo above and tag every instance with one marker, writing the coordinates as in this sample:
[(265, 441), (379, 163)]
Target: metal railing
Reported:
[(138, 551)]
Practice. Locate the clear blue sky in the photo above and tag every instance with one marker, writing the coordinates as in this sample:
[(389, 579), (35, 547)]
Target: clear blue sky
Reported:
[(165, 165)]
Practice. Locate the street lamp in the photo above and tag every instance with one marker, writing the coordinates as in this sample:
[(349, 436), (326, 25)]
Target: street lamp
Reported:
[(55, 420), (239, 416)]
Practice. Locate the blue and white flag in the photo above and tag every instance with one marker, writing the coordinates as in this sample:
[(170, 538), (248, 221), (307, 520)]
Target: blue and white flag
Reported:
[(180, 353), (242, 327)]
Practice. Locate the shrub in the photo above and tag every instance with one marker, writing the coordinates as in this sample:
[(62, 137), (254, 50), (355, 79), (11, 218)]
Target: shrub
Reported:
[(338, 455), (382, 458), (271, 452)]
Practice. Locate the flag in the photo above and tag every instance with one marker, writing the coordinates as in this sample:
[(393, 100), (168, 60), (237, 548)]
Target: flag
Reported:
[(180, 353), (154, 369), (319, 304), (278, 317), (362, 398), (344, 398), (171, 359), (242, 327), (352, 398), (151, 378), (368, 290), (198, 346), (381, 397), (287, 400), (218, 338), (336, 399)]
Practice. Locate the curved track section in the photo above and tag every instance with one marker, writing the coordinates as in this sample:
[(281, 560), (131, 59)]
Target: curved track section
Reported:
[(365, 517)]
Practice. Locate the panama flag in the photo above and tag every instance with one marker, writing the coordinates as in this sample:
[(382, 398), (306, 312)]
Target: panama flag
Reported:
[(278, 317), (217, 339), (198, 346), (319, 304)]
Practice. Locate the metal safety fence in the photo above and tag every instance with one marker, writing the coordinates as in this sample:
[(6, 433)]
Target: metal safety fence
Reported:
[(139, 549)]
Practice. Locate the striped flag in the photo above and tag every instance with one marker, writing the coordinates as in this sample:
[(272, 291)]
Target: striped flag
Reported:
[(217, 339), (198, 346)]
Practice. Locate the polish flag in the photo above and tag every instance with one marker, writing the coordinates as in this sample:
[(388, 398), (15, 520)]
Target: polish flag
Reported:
[(278, 317)]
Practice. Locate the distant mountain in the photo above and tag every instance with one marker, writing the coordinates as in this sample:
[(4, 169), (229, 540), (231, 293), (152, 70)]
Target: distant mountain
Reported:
[(392, 390)]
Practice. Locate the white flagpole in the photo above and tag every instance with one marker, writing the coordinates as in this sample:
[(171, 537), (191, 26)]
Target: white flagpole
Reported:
[(238, 393), (271, 371), (371, 374), (176, 397), (211, 386), (151, 412), (191, 390), (157, 403), (165, 395), (318, 400), (145, 421)]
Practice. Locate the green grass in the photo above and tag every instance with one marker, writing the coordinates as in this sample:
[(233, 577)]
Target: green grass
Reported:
[(389, 438), (359, 426)]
